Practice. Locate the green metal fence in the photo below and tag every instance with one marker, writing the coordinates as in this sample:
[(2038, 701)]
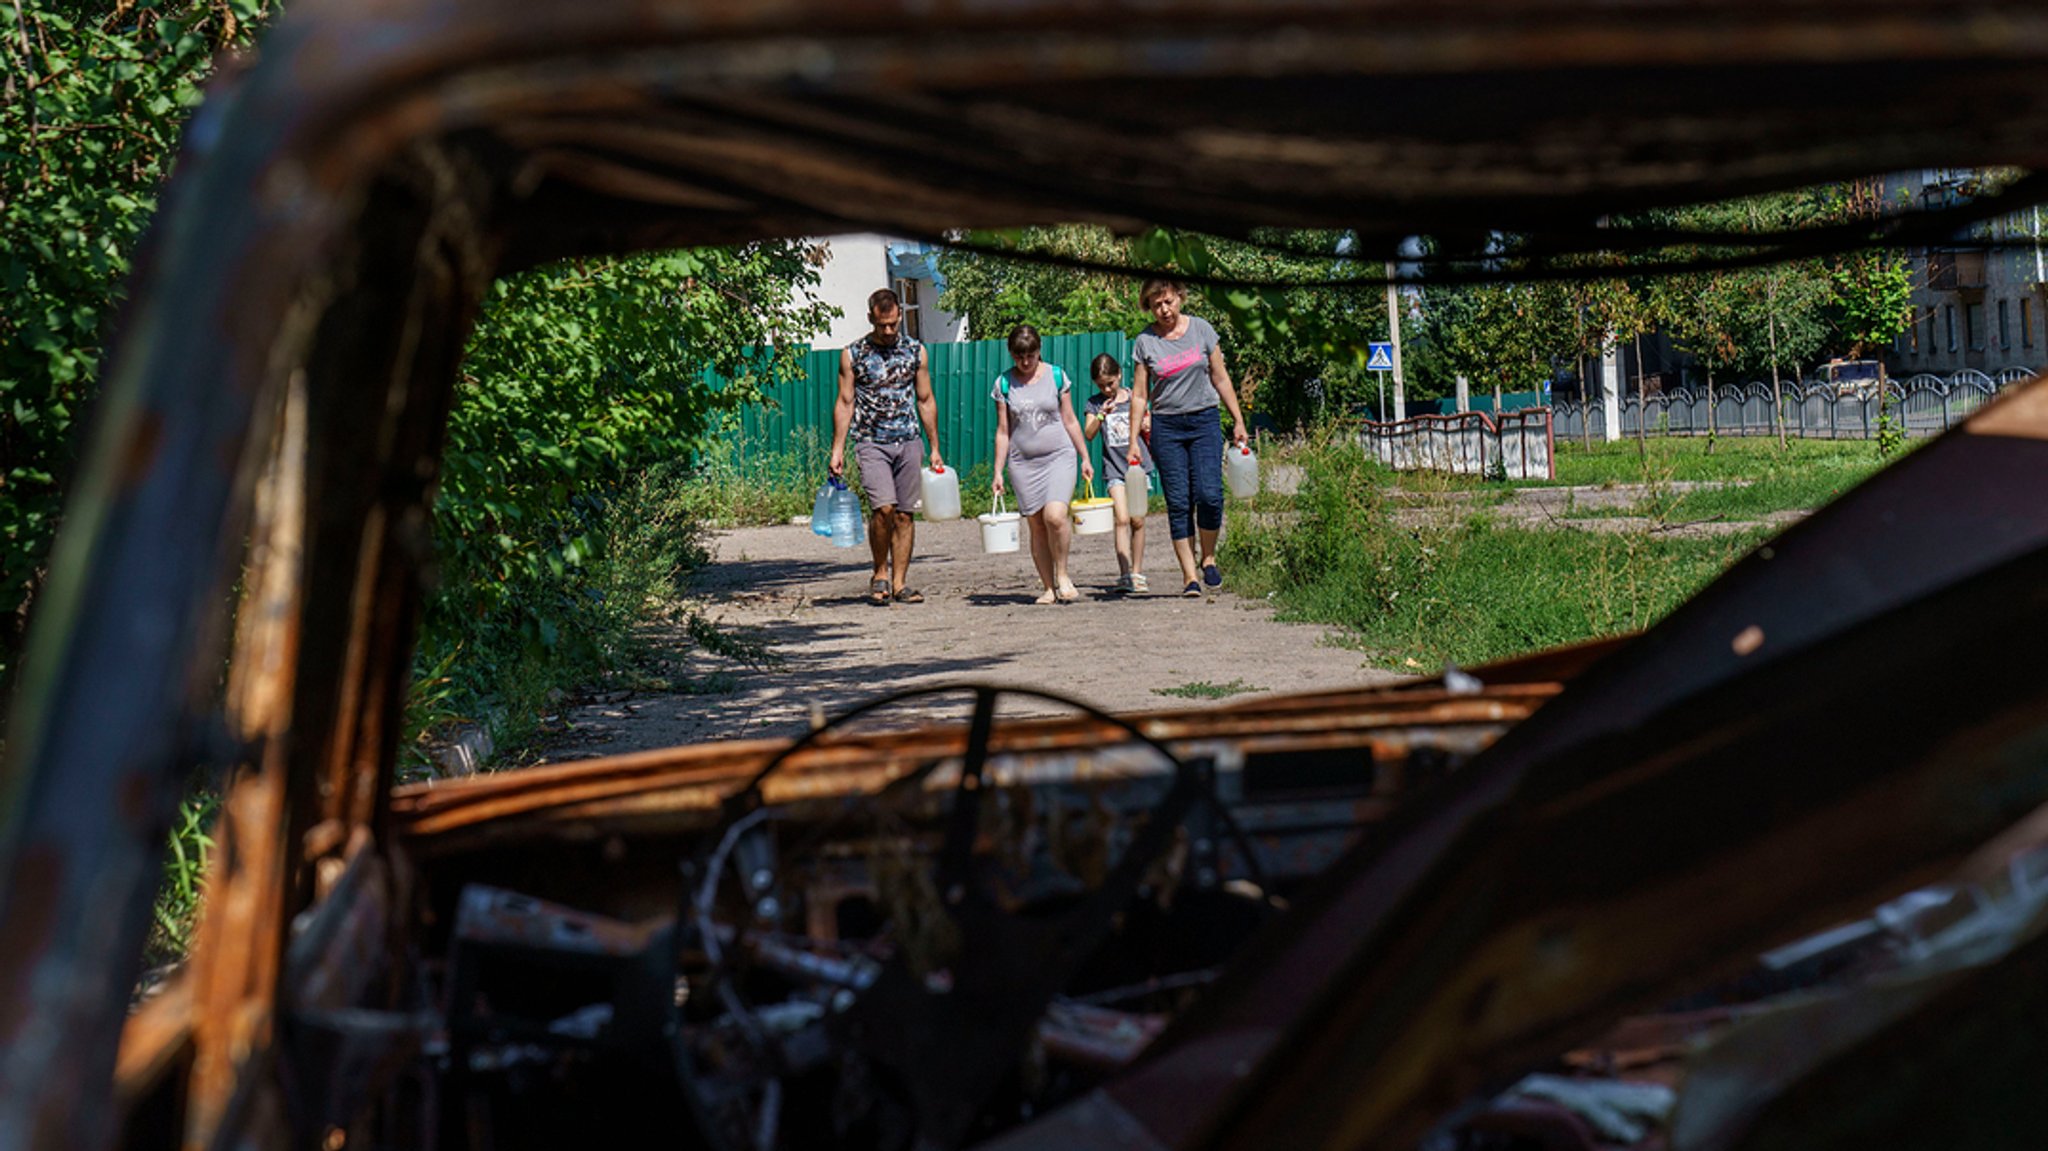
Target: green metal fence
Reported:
[(962, 376)]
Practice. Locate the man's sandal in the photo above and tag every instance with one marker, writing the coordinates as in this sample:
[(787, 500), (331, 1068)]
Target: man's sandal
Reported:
[(909, 595), (878, 591)]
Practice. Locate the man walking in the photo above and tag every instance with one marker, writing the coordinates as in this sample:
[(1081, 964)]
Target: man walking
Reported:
[(881, 375)]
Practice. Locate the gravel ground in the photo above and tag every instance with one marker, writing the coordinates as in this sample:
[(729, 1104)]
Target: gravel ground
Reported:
[(805, 600)]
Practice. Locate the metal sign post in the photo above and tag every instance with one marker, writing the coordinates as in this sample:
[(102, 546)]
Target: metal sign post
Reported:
[(1379, 360)]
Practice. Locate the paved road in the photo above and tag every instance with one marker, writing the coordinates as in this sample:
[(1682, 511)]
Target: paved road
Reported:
[(805, 599)]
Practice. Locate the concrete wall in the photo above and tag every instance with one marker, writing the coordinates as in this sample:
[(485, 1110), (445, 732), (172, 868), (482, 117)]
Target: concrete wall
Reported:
[(854, 267)]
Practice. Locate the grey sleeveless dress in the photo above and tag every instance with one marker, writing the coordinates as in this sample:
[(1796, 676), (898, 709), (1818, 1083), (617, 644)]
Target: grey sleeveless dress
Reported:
[(1043, 463)]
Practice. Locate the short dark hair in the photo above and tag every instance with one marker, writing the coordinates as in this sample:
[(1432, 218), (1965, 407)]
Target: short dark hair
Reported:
[(1105, 367), (1159, 287), (1023, 340), (884, 301)]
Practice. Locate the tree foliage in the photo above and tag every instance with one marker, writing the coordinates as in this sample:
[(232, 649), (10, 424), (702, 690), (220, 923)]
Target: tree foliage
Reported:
[(1291, 350), (580, 376), (1504, 337), (1873, 288), (93, 99)]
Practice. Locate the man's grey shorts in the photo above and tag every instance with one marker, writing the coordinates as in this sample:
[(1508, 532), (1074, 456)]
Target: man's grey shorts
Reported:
[(891, 474)]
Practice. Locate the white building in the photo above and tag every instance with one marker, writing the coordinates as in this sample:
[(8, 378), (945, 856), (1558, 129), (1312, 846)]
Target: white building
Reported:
[(855, 266)]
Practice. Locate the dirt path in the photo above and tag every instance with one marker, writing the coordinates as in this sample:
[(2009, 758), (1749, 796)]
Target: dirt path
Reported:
[(803, 598)]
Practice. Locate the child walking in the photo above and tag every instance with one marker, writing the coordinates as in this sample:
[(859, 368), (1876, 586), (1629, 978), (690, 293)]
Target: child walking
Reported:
[(1109, 414)]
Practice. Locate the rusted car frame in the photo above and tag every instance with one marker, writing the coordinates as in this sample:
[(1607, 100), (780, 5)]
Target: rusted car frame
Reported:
[(279, 389)]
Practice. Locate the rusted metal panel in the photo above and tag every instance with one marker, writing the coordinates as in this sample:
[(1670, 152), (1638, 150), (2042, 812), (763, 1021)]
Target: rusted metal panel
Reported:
[(683, 786), (344, 200)]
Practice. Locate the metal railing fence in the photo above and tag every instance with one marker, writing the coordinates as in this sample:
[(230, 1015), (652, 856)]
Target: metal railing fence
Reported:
[(1924, 405)]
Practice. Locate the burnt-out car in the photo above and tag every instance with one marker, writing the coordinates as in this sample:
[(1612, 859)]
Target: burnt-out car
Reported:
[(1351, 920)]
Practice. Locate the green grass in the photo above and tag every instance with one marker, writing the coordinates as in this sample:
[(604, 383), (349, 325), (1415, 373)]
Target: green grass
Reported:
[(176, 913), (1759, 478), (1466, 588), (1203, 689), (1686, 458)]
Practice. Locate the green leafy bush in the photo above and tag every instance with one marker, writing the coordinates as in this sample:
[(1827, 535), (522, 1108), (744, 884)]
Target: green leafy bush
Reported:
[(92, 103), (567, 500)]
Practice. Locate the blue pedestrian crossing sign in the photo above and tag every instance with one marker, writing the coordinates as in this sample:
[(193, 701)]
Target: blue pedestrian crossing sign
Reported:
[(1381, 357)]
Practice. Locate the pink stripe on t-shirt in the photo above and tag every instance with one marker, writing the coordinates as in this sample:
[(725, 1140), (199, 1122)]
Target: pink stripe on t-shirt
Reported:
[(1181, 362)]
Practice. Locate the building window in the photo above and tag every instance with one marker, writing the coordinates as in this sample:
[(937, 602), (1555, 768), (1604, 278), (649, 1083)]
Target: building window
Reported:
[(1912, 338), (2004, 328), (1931, 343), (1973, 326), (906, 291), (1948, 320), (2026, 324)]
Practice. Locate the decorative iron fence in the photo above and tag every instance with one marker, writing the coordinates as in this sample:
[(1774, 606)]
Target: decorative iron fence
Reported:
[(1924, 405), (1513, 445)]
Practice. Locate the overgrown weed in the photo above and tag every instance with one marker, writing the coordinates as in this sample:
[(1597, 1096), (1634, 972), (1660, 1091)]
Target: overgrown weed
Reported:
[(586, 626), (1203, 689), (733, 484), (176, 912)]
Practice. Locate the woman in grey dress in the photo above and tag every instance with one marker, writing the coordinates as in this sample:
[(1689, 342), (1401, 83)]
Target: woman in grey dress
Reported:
[(1038, 439)]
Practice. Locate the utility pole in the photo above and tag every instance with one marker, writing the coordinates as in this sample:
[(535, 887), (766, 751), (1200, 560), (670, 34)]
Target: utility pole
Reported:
[(1394, 334), (1610, 388)]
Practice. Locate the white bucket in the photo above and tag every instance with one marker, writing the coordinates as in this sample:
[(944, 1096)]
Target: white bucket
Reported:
[(1000, 529), (1094, 517)]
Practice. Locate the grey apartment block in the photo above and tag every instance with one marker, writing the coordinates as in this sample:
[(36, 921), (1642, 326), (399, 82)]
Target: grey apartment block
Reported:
[(1979, 305)]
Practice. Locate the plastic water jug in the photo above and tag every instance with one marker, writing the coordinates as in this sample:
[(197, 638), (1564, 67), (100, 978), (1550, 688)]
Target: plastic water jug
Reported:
[(1138, 496), (847, 529), (821, 511), (1241, 471), (941, 494)]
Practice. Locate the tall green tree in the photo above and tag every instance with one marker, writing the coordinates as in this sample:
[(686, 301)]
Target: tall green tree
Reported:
[(1874, 292)]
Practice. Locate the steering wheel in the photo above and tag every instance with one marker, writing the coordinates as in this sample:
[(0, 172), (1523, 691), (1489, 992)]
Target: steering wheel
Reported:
[(949, 1038)]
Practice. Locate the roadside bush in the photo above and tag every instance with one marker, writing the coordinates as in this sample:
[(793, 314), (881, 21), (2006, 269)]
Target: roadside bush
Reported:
[(555, 632)]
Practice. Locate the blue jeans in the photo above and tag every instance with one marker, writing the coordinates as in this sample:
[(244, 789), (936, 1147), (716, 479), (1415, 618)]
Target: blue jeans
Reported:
[(1188, 448)]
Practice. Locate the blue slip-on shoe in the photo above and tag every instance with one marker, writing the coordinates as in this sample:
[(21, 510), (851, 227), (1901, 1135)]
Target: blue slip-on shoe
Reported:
[(1212, 576)]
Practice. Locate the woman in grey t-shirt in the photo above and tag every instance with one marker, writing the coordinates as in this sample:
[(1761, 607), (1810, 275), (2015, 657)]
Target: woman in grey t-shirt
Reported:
[(1179, 378), (1039, 441)]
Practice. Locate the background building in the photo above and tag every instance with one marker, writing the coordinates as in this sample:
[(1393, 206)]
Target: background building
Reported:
[(1977, 303), (856, 265)]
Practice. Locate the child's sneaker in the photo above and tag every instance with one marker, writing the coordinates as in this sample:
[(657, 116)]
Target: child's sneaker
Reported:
[(1138, 584), (1123, 583)]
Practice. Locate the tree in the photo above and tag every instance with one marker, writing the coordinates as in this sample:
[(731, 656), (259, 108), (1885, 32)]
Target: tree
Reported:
[(1874, 295), (1503, 335), (997, 294)]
